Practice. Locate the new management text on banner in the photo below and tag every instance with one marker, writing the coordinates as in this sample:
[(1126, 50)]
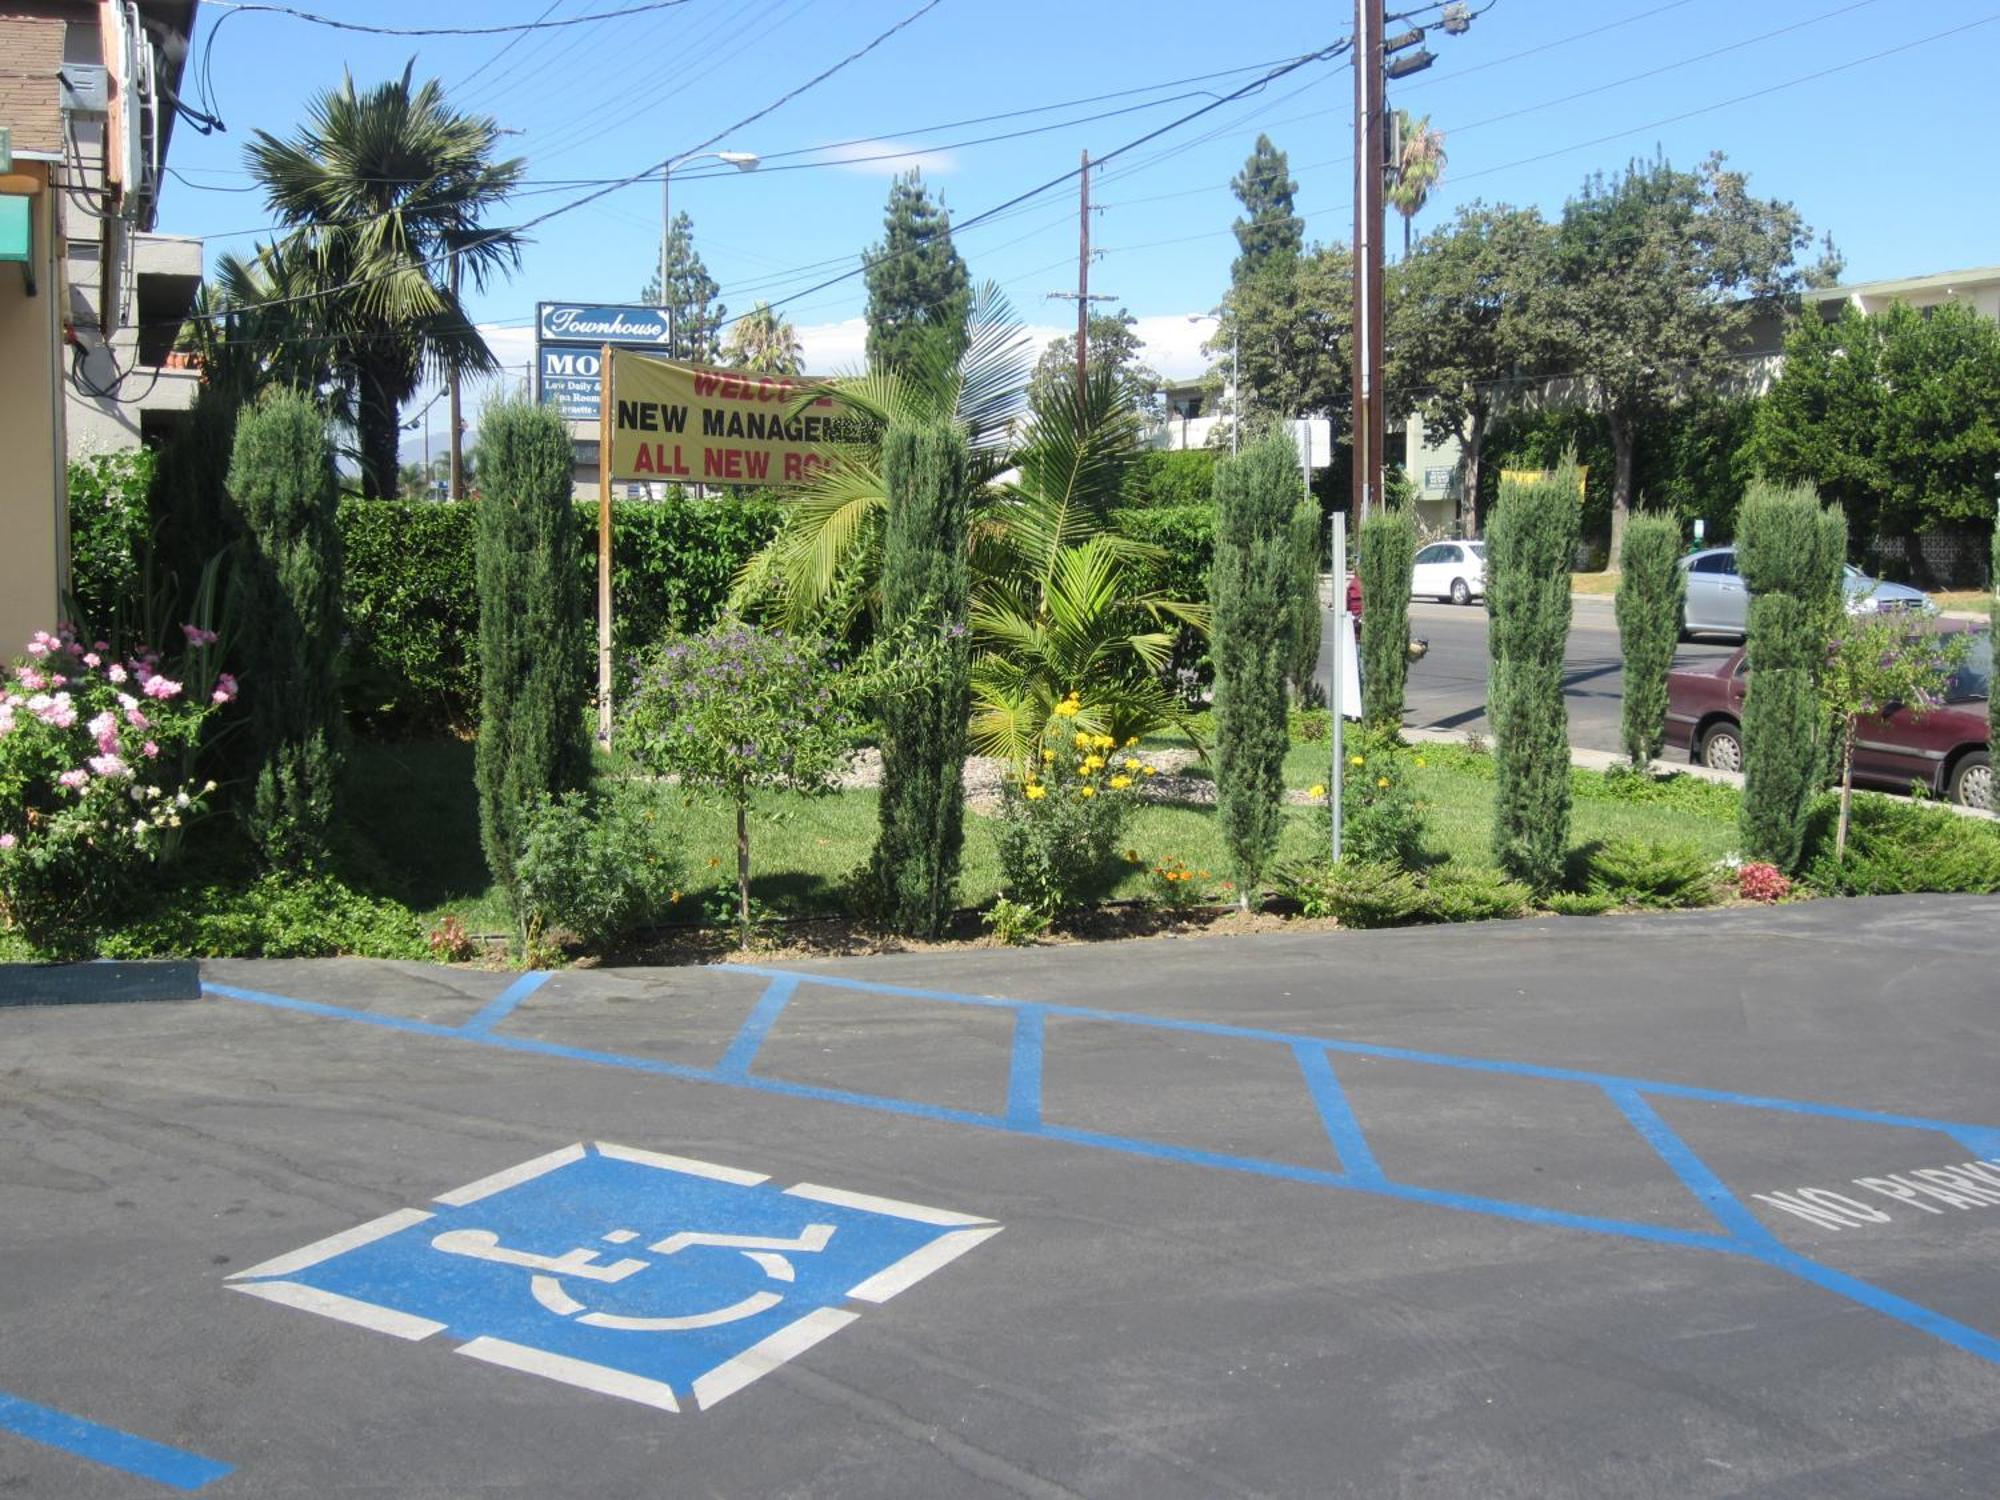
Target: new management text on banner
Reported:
[(709, 426)]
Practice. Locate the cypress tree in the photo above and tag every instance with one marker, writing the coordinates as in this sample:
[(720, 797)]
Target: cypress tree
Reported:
[(1789, 552), (1993, 698), (281, 475), (1251, 640), (191, 517), (925, 588), (1529, 542), (533, 623), (915, 277), (1652, 592), (1306, 621), (1388, 551)]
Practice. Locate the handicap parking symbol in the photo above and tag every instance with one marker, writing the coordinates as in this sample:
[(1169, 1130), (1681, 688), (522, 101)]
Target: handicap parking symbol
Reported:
[(656, 1278)]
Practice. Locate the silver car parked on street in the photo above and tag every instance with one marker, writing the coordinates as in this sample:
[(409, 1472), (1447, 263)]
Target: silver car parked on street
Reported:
[(1719, 604)]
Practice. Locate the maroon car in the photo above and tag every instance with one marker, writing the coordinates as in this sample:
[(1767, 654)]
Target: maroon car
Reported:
[(1944, 749)]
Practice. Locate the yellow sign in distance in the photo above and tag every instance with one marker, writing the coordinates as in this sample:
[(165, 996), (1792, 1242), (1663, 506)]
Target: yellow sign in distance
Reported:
[(694, 424)]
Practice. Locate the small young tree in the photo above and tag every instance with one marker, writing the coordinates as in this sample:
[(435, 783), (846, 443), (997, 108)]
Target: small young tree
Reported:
[(533, 613), (1873, 664), (1789, 552), (1652, 592), (1306, 622), (1529, 543), (742, 710), (925, 583), (281, 474), (1388, 552), (1250, 638)]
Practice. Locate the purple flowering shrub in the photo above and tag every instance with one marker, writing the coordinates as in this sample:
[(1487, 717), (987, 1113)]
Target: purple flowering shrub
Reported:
[(94, 757), (740, 710)]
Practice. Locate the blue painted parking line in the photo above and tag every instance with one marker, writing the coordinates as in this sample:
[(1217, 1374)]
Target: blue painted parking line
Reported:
[(174, 1467), (502, 1005), (1741, 1233)]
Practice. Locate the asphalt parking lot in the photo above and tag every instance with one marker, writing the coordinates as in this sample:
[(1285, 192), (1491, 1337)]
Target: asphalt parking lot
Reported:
[(1682, 1206)]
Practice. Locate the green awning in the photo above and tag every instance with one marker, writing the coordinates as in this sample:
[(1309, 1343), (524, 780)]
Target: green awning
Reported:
[(15, 222)]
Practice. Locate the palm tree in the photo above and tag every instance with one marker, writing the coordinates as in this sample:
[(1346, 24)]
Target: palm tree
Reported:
[(1420, 162), (382, 189), (760, 340)]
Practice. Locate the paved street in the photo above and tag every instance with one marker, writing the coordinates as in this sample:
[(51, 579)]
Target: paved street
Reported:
[(1438, 1212), (1447, 689)]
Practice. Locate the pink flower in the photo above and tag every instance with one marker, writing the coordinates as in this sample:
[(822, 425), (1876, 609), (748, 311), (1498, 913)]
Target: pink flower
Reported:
[(137, 720), (37, 648), (92, 659), (57, 711), (57, 680), (75, 780), (104, 726), (150, 750), (196, 636), (102, 646), (225, 689), (7, 841), (115, 672), (161, 687), (30, 679), (112, 766)]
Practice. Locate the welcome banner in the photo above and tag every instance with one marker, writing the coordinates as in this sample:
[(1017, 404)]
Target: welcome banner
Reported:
[(699, 425)]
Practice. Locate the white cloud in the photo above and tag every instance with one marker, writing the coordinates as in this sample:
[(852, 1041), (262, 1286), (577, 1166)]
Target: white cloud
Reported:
[(885, 158), (1173, 344)]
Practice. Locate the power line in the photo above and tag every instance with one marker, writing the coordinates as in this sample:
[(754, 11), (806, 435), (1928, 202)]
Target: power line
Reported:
[(247, 7)]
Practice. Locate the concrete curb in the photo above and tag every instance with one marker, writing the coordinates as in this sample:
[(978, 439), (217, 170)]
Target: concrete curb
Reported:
[(107, 983)]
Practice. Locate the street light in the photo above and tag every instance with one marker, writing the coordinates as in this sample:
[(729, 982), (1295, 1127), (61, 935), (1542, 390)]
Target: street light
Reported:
[(743, 161), (1235, 383)]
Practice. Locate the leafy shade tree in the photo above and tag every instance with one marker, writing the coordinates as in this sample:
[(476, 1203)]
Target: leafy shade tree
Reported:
[(1876, 663), (533, 744), (761, 340), (693, 312), (1420, 162), (1270, 228), (1112, 345), (281, 475), (1292, 326), (1462, 317), (915, 277), (1528, 548), (1652, 591), (379, 191), (1891, 416), (1658, 279), (1387, 551), (1789, 552), (925, 587), (1251, 640)]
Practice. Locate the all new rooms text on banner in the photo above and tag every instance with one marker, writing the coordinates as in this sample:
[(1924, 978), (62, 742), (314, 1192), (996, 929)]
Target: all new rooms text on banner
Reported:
[(706, 426)]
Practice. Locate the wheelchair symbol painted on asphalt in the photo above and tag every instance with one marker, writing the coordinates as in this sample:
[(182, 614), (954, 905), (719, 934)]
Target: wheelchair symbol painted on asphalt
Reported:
[(626, 1272)]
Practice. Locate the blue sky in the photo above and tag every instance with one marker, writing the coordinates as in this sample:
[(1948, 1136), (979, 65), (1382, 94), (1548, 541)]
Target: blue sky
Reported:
[(1873, 116)]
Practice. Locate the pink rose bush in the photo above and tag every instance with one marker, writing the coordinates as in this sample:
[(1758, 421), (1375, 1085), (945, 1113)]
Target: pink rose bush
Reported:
[(95, 777)]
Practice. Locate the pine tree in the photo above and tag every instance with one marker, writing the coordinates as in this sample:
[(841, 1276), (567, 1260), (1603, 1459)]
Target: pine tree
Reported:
[(1529, 543), (1790, 553), (533, 615), (1271, 229), (1251, 640), (925, 588), (1387, 552), (915, 276), (281, 475), (696, 315), (1306, 622), (1652, 594)]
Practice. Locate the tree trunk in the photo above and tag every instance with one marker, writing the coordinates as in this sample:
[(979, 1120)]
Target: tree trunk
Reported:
[(1624, 442), (1470, 452), (377, 427), (1846, 790), (743, 872)]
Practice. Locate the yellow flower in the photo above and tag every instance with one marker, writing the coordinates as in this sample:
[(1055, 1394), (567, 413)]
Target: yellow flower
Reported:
[(1068, 708), (1420, 762), (714, 860), (1131, 764), (1152, 770), (1035, 792), (1132, 743), (1355, 760), (1104, 742), (1119, 783), (1315, 790), (1083, 742), (1093, 763), (1381, 781), (1089, 791), (1047, 756)]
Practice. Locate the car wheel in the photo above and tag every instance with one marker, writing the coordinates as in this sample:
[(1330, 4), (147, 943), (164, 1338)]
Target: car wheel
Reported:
[(1972, 782), (1722, 747), (1460, 594)]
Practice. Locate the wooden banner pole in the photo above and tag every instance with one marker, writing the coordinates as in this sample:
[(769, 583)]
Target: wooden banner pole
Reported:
[(604, 547)]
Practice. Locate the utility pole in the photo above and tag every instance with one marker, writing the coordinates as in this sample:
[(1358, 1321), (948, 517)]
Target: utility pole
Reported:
[(457, 490), (1370, 155), (1082, 295)]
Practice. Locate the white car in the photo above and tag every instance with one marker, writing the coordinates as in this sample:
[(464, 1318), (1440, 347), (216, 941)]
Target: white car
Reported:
[(1450, 570)]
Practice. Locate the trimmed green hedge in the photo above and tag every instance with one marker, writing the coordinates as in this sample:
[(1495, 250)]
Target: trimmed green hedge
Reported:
[(1186, 535), (1161, 479), (412, 659)]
